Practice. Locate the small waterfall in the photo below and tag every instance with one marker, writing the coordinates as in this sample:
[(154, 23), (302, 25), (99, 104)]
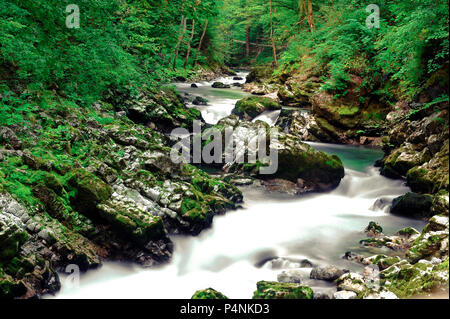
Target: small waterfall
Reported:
[(270, 117)]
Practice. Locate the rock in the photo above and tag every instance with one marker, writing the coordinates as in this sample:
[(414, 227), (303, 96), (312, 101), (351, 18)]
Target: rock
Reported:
[(381, 295), (180, 78), (282, 186), (344, 295), (353, 257), (328, 273), (139, 225), (250, 107), (321, 296), (412, 205), (220, 85), (422, 278), (296, 160), (351, 282), (237, 78), (290, 276), (419, 150), (199, 101), (9, 137), (289, 263), (381, 261), (237, 84), (437, 223), (407, 232), (208, 293), (276, 290), (373, 229), (91, 190), (241, 181), (12, 235), (193, 85), (429, 244)]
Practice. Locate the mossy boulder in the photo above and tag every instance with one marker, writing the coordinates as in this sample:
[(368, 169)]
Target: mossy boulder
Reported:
[(208, 293), (277, 290), (413, 205), (252, 106), (298, 162)]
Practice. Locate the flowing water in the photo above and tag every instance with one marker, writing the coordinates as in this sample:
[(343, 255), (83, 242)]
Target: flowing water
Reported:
[(270, 233)]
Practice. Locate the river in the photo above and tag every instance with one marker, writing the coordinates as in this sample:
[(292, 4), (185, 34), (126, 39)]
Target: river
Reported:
[(270, 233)]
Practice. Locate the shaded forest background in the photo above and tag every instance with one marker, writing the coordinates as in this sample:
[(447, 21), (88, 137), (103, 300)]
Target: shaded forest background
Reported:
[(122, 46)]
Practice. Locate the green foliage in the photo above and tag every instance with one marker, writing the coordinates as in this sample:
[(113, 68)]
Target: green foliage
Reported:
[(120, 46)]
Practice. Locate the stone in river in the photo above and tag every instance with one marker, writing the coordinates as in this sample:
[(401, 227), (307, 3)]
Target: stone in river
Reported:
[(328, 273)]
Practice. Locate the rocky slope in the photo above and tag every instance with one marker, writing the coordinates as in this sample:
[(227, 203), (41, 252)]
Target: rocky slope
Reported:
[(83, 185)]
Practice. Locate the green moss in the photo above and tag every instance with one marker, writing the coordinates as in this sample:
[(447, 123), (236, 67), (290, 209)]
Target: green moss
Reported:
[(208, 294), (276, 290), (253, 106)]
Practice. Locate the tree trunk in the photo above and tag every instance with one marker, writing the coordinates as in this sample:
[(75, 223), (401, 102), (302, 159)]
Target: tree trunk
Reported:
[(310, 16), (180, 39), (247, 43), (199, 48), (274, 48), (188, 53)]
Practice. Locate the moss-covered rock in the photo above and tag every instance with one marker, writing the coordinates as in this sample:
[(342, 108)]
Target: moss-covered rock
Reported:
[(277, 290), (297, 162), (422, 278), (90, 190), (413, 205), (252, 106), (208, 293), (139, 225)]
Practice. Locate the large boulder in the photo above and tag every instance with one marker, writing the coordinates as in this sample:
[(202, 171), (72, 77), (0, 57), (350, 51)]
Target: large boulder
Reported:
[(252, 106), (276, 290), (298, 162), (413, 205)]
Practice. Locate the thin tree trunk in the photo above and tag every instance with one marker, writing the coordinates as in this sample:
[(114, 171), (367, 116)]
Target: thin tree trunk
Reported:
[(310, 16), (274, 48), (247, 43), (201, 40), (188, 53), (180, 39)]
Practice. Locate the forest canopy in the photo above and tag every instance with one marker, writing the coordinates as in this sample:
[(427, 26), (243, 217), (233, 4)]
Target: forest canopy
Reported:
[(125, 45)]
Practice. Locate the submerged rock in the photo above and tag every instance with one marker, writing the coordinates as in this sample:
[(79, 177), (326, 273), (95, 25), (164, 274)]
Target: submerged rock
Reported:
[(276, 290), (220, 85), (290, 276)]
